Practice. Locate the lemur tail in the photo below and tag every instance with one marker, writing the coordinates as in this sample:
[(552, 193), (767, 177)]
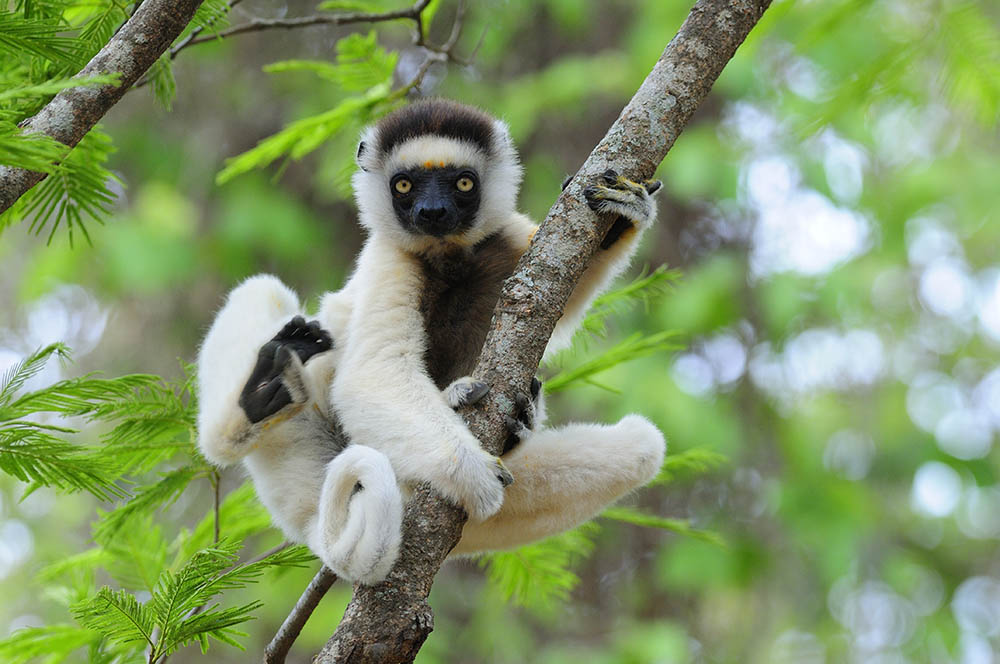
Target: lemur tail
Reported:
[(360, 516)]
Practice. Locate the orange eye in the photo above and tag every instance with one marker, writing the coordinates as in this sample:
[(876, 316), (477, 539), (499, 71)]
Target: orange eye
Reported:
[(465, 184), (403, 186)]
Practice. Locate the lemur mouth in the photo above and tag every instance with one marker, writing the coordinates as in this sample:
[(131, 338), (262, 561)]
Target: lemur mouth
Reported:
[(437, 227)]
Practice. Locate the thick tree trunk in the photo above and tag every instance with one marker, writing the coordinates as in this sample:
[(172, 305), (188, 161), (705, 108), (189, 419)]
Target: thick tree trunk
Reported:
[(389, 622), (74, 112)]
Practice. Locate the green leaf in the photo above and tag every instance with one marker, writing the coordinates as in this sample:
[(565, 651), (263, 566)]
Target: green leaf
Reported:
[(303, 136), (631, 348), (146, 500), (21, 37), (161, 78), (539, 574), (117, 615), (697, 460), (75, 192), (679, 526), (240, 515), (53, 642)]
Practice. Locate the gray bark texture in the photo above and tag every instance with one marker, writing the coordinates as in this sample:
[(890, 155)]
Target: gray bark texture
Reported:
[(74, 112), (388, 623)]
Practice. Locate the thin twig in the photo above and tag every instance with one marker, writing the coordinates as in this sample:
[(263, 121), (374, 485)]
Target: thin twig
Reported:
[(216, 480), (278, 648), (258, 24)]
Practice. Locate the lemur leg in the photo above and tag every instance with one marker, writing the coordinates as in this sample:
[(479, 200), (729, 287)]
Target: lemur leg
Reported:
[(254, 311), (565, 476), (359, 523), (635, 208)]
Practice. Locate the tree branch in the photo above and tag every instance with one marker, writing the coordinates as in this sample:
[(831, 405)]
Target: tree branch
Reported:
[(73, 112), (278, 648), (389, 622)]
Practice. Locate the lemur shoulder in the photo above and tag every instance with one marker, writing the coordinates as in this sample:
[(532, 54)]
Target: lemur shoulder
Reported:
[(336, 418)]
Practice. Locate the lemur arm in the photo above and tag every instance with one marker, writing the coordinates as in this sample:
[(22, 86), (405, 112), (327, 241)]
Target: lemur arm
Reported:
[(633, 203), (386, 399)]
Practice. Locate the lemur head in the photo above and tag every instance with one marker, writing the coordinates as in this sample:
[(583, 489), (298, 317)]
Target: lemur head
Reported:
[(436, 173)]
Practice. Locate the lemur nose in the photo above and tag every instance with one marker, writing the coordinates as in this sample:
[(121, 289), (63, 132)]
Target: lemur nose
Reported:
[(431, 213)]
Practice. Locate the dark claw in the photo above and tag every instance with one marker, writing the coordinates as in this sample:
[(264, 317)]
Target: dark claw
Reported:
[(477, 391), (590, 193), (652, 186), (536, 387), (610, 177), (566, 181)]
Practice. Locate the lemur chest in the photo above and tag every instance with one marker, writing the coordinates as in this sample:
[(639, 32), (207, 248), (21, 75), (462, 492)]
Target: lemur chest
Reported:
[(459, 294)]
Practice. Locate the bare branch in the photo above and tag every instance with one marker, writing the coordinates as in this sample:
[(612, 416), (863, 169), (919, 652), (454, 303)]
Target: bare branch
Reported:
[(278, 648), (389, 622)]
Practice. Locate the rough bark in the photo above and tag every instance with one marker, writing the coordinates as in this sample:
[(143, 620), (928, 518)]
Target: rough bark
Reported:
[(73, 112), (389, 622)]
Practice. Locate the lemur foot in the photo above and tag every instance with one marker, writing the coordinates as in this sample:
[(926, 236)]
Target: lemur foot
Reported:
[(276, 379), (465, 391), (522, 423), (631, 201)]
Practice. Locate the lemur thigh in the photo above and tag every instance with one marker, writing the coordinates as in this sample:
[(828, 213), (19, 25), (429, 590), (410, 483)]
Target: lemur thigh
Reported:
[(254, 312), (565, 476)]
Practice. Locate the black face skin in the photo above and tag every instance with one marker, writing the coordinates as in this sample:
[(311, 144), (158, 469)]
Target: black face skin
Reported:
[(434, 203)]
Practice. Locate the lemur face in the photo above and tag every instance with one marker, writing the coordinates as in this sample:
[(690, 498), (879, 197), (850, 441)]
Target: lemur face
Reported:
[(436, 201), (436, 174)]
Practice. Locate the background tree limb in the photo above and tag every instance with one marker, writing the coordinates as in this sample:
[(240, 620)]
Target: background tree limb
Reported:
[(389, 622), (75, 111)]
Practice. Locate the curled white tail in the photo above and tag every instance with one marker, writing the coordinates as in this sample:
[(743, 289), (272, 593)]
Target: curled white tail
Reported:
[(360, 516)]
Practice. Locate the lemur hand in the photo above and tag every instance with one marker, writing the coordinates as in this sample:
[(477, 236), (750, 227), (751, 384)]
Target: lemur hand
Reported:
[(275, 381), (631, 201), (477, 482)]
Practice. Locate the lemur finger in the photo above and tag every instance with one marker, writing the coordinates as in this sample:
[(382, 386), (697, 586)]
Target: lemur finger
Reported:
[(525, 410), (652, 186), (536, 387), (292, 328)]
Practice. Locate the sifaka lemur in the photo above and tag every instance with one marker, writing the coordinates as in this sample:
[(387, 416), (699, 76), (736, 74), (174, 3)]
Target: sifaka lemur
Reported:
[(335, 418)]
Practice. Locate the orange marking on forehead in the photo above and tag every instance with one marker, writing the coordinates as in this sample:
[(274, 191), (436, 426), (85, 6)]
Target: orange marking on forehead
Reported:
[(429, 164)]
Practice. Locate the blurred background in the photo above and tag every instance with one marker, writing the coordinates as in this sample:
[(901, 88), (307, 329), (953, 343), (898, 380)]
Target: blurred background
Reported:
[(833, 210)]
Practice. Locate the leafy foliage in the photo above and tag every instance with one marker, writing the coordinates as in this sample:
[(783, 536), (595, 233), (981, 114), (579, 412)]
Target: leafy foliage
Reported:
[(361, 67), (539, 574)]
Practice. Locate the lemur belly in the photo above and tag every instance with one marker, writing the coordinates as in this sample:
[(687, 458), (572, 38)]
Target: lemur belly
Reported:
[(460, 292)]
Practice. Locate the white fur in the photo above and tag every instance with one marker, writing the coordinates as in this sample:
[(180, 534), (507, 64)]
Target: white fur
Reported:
[(402, 429), (289, 454)]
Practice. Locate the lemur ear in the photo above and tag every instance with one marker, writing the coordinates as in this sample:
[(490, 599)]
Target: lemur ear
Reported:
[(366, 157), (361, 151)]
